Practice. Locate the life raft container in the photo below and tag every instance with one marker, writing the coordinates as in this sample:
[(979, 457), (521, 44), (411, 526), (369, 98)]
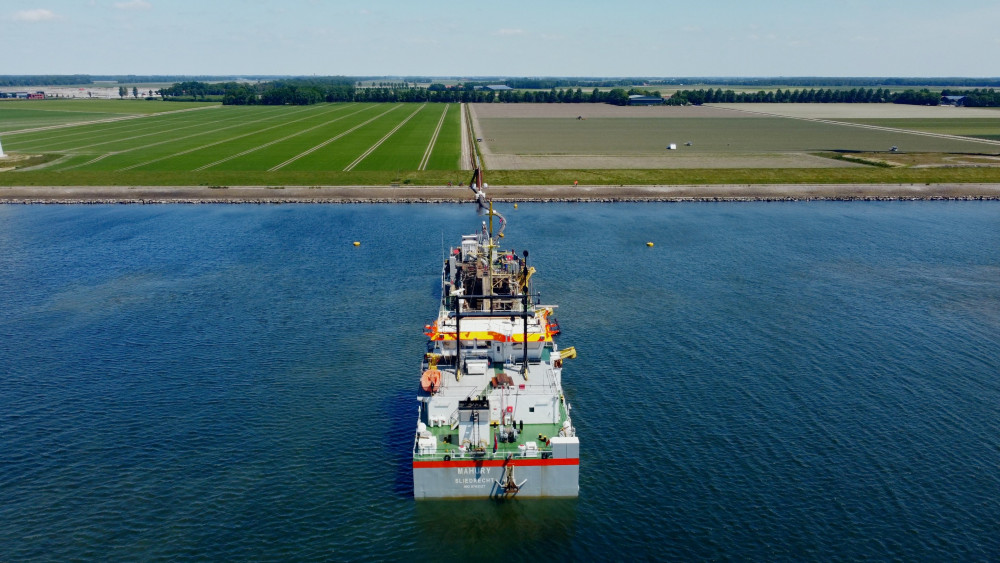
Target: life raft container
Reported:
[(430, 381)]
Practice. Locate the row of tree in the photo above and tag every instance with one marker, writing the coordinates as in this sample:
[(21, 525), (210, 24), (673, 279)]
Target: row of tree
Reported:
[(822, 96), (316, 90), (311, 91), (197, 89), (978, 98), (615, 96), (45, 80), (718, 95)]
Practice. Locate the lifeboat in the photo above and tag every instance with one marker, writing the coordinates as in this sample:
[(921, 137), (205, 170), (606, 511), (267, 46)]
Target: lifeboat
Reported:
[(430, 381)]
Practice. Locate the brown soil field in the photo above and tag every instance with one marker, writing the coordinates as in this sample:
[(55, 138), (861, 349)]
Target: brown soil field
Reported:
[(609, 162), (734, 136), (572, 111)]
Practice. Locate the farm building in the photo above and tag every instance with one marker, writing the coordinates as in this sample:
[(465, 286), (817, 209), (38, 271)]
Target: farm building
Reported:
[(637, 100), (498, 87), (953, 100)]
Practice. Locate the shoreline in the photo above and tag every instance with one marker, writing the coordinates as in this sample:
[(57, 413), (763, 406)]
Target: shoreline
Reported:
[(433, 194)]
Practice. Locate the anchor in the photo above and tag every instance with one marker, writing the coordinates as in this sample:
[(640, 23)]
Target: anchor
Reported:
[(508, 485)]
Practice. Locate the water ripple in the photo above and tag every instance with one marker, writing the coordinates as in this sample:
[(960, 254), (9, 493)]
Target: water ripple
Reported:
[(769, 382)]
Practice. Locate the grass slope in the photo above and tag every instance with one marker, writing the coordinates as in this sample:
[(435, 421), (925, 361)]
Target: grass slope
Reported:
[(866, 175)]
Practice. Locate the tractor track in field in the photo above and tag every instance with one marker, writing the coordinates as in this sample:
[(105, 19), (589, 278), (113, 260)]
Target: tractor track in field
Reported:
[(372, 148), (430, 145)]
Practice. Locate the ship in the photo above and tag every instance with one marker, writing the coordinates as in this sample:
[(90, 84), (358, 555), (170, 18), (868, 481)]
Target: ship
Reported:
[(493, 420)]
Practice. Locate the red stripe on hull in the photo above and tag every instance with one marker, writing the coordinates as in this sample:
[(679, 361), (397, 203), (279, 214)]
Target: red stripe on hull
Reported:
[(493, 463)]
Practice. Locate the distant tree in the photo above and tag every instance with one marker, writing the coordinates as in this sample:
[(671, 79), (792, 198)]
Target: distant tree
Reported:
[(122, 91), (923, 97), (135, 92), (979, 97), (618, 97)]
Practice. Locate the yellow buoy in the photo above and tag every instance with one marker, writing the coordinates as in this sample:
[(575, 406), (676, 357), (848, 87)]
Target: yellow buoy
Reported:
[(515, 206), (356, 243), (649, 244)]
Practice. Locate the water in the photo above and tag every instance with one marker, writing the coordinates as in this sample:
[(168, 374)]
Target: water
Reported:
[(769, 381)]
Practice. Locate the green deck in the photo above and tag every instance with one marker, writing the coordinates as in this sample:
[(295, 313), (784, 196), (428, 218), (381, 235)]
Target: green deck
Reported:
[(530, 434)]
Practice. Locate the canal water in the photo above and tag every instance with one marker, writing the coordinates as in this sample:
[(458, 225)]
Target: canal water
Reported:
[(769, 381)]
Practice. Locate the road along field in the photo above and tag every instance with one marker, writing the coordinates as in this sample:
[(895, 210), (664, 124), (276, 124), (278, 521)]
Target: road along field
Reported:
[(532, 136), (263, 139)]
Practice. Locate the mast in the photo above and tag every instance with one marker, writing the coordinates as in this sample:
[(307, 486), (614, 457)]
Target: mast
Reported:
[(524, 304), (489, 258)]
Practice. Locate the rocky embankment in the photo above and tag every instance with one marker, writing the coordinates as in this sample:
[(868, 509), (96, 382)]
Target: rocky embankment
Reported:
[(430, 194)]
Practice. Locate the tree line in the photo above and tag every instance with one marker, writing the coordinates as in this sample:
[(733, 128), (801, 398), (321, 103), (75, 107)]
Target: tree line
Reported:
[(338, 89), (922, 97), (977, 98), (45, 80), (312, 91)]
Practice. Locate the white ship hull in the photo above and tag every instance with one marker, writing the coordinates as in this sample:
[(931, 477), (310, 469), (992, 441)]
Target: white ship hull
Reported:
[(482, 479)]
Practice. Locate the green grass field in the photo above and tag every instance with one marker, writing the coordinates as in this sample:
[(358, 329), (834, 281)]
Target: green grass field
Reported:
[(264, 140), (25, 114)]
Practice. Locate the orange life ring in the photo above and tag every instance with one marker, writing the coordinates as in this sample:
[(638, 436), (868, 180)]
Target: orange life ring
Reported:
[(430, 381)]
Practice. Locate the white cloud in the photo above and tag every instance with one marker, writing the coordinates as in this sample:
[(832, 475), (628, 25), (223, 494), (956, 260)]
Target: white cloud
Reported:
[(133, 5), (37, 15), (508, 31)]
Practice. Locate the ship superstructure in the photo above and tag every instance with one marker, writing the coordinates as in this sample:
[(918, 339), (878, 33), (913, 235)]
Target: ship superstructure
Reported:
[(493, 419)]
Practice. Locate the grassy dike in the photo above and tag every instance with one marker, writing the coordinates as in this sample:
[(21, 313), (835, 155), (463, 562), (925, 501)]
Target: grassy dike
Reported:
[(867, 175)]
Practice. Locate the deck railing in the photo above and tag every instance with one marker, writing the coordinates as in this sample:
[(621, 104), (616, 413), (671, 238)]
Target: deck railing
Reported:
[(542, 452)]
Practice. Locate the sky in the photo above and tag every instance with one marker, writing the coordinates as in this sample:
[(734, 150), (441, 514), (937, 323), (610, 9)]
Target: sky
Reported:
[(659, 38)]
